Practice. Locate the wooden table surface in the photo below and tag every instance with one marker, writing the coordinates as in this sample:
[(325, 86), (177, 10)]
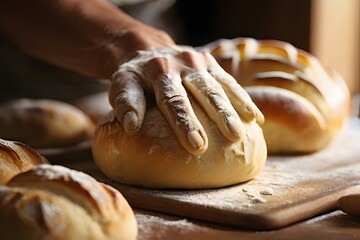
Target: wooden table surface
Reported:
[(334, 225)]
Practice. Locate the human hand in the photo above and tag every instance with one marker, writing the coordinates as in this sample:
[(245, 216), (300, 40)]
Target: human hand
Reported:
[(172, 73)]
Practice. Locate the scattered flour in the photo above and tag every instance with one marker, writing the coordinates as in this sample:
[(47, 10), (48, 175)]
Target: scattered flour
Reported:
[(162, 225)]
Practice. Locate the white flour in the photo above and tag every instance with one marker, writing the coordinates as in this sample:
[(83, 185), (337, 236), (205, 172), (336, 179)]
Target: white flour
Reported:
[(159, 226)]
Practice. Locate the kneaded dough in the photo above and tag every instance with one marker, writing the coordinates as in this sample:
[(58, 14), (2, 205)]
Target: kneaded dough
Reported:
[(155, 158)]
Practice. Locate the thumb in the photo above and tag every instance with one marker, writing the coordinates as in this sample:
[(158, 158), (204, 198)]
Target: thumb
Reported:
[(126, 96)]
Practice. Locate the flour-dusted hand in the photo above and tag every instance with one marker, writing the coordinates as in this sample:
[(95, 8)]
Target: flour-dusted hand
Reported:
[(171, 74), (94, 38)]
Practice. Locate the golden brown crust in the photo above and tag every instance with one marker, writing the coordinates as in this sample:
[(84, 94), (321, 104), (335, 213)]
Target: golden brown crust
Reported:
[(16, 157), (155, 158), (291, 114), (43, 123), (281, 66), (58, 203)]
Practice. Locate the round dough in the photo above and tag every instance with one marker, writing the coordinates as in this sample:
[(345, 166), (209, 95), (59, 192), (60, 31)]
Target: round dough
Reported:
[(44, 123), (154, 157)]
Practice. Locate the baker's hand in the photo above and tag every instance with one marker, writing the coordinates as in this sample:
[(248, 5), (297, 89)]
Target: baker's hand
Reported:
[(171, 74)]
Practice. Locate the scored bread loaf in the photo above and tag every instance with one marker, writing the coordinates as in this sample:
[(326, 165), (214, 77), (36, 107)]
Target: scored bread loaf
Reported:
[(44, 123), (54, 202), (304, 102), (16, 157)]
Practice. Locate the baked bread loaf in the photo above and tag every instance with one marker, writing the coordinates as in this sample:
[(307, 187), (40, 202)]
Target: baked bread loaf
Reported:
[(155, 158), (44, 123), (16, 157), (94, 105), (304, 102), (53, 202)]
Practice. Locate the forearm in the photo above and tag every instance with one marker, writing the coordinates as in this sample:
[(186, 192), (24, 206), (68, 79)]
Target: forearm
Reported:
[(90, 37)]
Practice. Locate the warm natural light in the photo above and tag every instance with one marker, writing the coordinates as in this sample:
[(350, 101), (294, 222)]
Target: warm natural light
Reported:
[(335, 37)]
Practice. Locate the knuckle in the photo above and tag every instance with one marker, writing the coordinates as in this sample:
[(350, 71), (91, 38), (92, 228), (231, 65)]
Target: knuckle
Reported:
[(178, 101), (192, 59), (158, 66), (215, 91), (216, 100), (226, 113), (187, 55), (158, 61), (178, 108), (166, 84), (220, 103)]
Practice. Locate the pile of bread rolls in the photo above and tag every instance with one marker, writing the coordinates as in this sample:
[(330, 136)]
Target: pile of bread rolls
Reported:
[(41, 201)]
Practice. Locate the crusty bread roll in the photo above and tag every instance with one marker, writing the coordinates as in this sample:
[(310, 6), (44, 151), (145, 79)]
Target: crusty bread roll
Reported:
[(16, 157), (155, 158), (53, 202), (44, 123), (304, 103), (95, 105)]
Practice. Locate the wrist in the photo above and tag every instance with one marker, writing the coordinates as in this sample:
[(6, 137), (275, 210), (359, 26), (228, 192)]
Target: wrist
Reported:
[(124, 44)]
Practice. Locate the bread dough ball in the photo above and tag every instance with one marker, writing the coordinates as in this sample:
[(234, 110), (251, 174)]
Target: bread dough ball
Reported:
[(155, 158)]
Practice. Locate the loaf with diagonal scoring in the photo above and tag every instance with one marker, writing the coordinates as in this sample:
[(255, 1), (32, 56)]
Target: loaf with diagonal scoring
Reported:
[(54, 202), (304, 102), (17, 157)]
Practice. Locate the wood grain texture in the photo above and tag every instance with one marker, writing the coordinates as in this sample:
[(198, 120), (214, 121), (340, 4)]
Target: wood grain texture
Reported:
[(290, 189), (330, 226)]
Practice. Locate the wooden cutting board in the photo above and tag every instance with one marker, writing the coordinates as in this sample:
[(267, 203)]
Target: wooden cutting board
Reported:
[(288, 190)]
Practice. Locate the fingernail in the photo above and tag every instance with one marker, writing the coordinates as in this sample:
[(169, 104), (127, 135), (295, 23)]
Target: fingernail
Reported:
[(130, 123), (260, 118), (255, 113), (235, 126), (195, 139)]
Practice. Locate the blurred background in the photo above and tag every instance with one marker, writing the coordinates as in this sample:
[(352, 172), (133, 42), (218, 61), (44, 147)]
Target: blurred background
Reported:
[(329, 29)]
